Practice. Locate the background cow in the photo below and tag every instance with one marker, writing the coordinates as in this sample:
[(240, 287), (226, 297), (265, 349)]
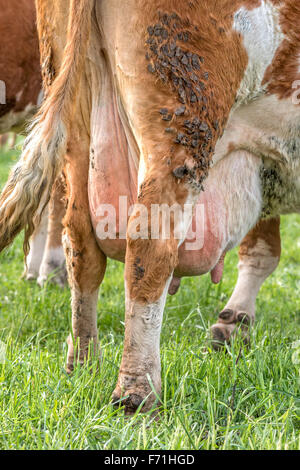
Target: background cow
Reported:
[(21, 84), (191, 95)]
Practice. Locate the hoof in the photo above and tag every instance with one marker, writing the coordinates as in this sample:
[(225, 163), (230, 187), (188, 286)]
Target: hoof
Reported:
[(85, 357), (244, 318), (58, 278), (69, 369), (174, 286), (139, 396), (227, 316), (30, 277), (229, 325), (220, 334), (132, 401)]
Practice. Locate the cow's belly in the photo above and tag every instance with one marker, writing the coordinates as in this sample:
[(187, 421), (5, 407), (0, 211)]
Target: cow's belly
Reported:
[(270, 129)]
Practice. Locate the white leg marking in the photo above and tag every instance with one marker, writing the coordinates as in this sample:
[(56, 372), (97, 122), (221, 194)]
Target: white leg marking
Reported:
[(37, 247)]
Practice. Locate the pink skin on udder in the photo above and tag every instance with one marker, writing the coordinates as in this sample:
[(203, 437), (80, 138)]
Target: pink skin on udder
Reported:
[(192, 262), (208, 224)]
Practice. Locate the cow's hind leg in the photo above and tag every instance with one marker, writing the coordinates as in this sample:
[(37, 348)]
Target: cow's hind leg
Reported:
[(149, 266), (259, 256), (86, 263), (53, 265)]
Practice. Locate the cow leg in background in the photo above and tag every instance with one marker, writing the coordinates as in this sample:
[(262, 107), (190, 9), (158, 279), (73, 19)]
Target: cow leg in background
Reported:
[(13, 141), (259, 256), (86, 263), (37, 248), (3, 140), (53, 264)]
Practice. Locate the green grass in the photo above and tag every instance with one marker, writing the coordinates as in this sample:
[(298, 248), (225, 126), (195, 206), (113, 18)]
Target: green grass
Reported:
[(210, 400)]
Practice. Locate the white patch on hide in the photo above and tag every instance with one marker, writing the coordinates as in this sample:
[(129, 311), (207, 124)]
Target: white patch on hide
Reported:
[(262, 36), (268, 128)]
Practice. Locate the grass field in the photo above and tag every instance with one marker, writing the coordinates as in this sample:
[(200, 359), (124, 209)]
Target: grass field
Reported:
[(210, 400)]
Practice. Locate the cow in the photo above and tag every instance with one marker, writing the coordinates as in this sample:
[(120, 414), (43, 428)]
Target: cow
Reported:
[(21, 86), (19, 65), (167, 103)]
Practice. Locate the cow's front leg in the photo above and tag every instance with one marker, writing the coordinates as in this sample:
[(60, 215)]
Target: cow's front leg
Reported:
[(150, 262), (259, 256), (53, 265)]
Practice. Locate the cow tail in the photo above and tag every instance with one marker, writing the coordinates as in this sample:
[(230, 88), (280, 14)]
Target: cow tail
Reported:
[(28, 188)]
